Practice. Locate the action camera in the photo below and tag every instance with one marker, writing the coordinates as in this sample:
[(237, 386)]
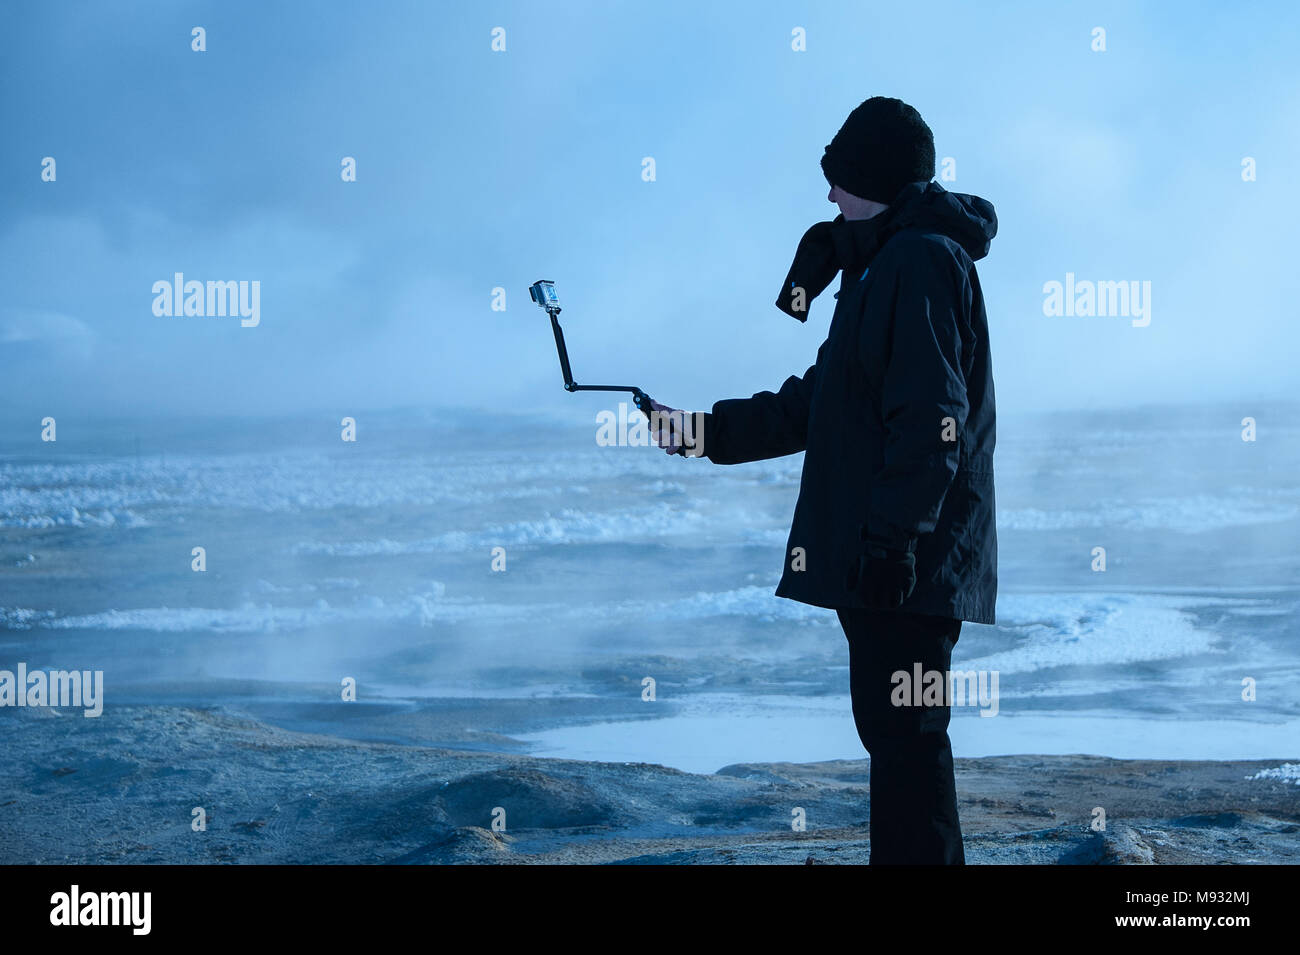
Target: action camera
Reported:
[(543, 293)]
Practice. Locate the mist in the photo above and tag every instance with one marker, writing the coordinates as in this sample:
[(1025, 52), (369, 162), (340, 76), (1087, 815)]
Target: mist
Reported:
[(479, 171)]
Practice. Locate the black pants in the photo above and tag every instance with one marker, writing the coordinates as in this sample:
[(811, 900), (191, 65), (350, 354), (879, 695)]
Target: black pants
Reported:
[(913, 793)]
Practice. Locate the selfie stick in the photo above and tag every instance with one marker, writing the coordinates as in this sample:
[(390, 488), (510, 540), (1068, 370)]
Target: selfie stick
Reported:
[(543, 293)]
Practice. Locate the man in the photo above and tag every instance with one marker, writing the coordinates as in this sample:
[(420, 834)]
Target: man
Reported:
[(894, 525)]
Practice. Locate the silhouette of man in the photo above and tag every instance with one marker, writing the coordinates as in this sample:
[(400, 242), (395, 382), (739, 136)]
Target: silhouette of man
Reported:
[(894, 526)]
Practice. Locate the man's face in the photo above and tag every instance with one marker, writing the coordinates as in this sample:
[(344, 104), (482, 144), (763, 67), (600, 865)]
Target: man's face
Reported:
[(854, 207)]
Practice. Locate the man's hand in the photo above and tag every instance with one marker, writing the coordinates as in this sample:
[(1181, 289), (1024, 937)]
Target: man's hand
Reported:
[(885, 575), (666, 426)]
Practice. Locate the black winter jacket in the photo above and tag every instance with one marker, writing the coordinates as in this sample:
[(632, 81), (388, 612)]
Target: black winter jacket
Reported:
[(896, 418)]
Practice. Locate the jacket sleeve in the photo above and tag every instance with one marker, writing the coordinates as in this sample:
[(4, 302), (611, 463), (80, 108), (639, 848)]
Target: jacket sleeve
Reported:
[(923, 397), (768, 425)]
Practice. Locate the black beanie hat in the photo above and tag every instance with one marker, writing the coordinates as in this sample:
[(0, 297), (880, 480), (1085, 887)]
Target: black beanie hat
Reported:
[(882, 146)]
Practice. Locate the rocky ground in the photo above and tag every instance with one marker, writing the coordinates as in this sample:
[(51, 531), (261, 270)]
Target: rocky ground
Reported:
[(124, 788)]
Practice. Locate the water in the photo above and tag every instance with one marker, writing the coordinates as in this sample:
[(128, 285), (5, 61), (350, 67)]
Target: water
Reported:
[(373, 560)]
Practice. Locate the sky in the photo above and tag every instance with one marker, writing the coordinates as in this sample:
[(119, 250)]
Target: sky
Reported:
[(479, 169)]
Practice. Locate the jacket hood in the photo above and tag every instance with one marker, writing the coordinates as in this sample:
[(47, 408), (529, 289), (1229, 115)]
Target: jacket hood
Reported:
[(968, 220)]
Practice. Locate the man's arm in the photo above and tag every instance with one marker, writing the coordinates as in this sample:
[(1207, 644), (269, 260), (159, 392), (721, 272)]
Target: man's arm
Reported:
[(768, 425), (924, 398)]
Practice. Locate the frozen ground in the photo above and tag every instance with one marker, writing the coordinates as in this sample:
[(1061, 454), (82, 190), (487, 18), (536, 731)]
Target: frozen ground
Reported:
[(124, 789)]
